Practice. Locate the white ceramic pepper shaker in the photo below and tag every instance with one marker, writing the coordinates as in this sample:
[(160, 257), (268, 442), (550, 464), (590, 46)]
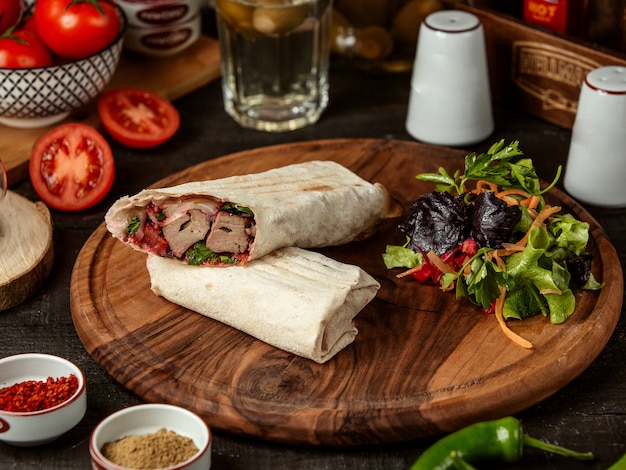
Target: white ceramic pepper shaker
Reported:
[(450, 101), (596, 165)]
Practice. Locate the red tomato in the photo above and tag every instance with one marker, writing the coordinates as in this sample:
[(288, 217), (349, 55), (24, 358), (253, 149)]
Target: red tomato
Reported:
[(23, 50), (29, 25), (9, 13), (137, 118), (71, 167), (76, 29)]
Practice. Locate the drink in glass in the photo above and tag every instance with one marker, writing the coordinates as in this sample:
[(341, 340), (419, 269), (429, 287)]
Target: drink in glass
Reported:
[(275, 56)]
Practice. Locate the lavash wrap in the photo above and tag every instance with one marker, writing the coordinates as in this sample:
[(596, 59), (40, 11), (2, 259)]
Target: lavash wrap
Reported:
[(297, 300), (311, 204)]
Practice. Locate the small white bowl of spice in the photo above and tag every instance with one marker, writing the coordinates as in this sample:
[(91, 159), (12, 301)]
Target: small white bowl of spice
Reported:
[(151, 436), (41, 397)]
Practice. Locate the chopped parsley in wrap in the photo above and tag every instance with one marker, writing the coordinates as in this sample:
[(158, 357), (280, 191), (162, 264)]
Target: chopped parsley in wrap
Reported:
[(233, 220)]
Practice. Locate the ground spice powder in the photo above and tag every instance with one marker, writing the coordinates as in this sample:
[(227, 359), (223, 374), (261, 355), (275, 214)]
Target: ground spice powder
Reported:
[(161, 449)]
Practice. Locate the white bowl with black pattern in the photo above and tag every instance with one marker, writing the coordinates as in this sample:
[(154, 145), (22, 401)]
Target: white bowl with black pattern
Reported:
[(42, 96)]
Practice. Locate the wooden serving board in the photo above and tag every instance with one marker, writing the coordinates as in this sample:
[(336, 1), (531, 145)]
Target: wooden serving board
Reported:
[(170, 77), (422, 364)]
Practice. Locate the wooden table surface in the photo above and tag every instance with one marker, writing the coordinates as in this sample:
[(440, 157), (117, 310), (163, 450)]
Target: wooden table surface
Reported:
[(586, 414)]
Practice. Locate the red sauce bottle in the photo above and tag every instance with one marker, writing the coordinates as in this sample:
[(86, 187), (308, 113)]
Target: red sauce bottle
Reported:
[(560, 16)]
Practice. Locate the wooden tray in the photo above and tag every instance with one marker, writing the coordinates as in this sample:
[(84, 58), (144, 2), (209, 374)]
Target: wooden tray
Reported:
[(422, 363), (172, 78)]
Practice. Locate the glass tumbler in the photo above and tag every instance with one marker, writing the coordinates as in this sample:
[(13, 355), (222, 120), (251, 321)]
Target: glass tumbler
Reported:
[(275, 56)]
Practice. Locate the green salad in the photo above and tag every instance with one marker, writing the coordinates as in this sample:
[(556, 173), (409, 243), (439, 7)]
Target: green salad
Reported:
[(488, 234)]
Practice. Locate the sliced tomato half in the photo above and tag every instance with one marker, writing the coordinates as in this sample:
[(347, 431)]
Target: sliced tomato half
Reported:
[(138, 118), (71, 167)]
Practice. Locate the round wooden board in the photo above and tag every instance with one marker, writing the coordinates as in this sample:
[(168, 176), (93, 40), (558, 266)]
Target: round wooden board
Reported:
[(422, 364)]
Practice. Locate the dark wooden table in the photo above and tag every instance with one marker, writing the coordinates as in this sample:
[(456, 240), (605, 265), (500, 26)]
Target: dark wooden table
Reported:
[(587, 414)]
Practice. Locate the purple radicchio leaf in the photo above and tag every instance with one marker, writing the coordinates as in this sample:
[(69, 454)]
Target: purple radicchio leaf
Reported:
[(492, 220), (437, 221)]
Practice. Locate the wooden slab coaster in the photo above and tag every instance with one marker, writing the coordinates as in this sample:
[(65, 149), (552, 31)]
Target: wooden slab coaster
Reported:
[(26, 253)]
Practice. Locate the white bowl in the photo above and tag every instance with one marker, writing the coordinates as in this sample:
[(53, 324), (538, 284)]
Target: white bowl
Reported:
[(40, 427), (147, 419), (43, 96)]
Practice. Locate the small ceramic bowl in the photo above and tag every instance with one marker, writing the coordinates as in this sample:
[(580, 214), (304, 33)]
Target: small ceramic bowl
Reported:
[(147, 419), (43, 96), (24, 428)]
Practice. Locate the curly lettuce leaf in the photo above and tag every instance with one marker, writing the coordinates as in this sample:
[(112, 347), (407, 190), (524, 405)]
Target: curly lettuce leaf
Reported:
[(569, 233), (524, 301), (592, 283), (526, 269), (402, 257)]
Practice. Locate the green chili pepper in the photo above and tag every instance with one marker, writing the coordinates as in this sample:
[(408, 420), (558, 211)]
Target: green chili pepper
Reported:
[(501, 439), (459, 463)]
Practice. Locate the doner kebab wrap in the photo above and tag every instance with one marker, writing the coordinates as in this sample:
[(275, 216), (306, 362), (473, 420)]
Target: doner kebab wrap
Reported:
[(233, 220), (297, 300)]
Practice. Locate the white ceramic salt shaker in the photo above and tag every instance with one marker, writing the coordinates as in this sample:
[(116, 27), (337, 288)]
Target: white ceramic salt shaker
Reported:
[(450, 101), (596, 165)]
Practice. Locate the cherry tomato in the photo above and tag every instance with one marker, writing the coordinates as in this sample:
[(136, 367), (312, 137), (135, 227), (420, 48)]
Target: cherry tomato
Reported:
[(76, 29), (138, 118), (71, 167), (22, 50), (10, 11)]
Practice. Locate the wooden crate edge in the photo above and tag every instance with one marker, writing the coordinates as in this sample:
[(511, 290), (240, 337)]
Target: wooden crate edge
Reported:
[(536, 71)]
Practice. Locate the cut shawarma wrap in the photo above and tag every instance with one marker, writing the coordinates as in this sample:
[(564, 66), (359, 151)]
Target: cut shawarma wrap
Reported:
[(233, 220), (297, 300)]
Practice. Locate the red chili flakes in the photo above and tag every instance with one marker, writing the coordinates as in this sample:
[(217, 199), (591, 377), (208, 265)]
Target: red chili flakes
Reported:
[(36, 395)]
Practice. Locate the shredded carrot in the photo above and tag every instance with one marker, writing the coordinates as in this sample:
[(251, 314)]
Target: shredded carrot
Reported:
[(517, 339), (467, 270), (499, 261), (510, 201), (532, 202), (507, 196), (437, 261), (527, 199), (539, 220), (447, 288), (509, 192), (544, 214), (408, 272), (510, 247), (481, 185), (506, 251)]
